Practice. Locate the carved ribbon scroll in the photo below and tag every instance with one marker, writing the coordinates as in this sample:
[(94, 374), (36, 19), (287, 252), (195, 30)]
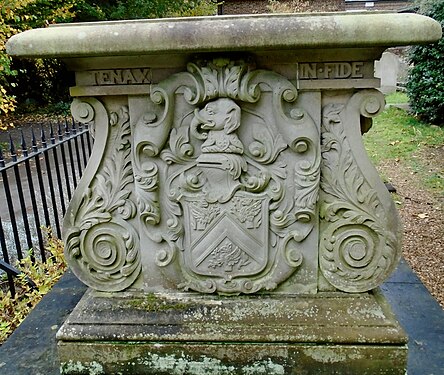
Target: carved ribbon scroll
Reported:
[(359, 244)]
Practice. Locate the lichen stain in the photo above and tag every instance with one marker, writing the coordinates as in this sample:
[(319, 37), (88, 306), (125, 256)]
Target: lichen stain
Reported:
[(90, 368), (174, 365), (180, 366), (371, 312), (264, 367), (152, 303), (325, 355)]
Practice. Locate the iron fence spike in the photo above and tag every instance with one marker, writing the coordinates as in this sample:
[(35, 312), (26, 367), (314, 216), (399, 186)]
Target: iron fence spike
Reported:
[(66, 126), (33, 141), (59, 130), (73, 126), (42, 135), (12, 148), (23, 144), (2, 159), (51, 133)]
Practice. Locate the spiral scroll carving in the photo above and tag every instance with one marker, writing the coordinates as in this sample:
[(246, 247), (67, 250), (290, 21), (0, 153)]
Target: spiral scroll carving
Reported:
[(359, 244), (102, 247), (113, 254), (353, 254)]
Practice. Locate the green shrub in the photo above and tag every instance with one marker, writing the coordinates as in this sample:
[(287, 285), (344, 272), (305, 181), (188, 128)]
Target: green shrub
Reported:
[(13, 310), (425, 85)]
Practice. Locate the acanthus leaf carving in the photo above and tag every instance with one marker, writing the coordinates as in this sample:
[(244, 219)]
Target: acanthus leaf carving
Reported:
[(266, 147), (102, 247), (221, 78), (359, 246), (180, 150)]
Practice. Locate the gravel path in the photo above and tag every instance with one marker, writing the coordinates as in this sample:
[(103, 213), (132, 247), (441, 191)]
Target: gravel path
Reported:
[(422, 214)]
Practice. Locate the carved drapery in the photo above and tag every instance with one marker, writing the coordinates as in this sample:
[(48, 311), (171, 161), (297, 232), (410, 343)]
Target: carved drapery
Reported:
[(240, 165), (102, 246), (359, 243)]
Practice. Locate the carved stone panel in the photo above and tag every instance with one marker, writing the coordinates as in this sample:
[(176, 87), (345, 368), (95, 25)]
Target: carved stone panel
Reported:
[(360, 231), (225, 179), (228, 159), (227, 169), (101, 242)]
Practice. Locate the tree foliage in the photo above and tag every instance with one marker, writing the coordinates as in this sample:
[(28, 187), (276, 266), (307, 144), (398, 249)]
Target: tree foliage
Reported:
[(45, 81), (425, 85), (300, 6), (133, 9), (7, 29), (17, 16)]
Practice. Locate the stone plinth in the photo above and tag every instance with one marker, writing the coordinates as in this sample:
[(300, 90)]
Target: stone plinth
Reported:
[(229, 220), (193, 334)]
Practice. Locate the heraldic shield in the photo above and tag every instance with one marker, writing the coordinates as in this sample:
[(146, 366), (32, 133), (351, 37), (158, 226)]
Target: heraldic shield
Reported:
[(227, 240), (240, 161)]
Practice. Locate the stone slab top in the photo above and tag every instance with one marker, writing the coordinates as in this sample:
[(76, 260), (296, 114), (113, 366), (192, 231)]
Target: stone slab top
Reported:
[(225, 33)]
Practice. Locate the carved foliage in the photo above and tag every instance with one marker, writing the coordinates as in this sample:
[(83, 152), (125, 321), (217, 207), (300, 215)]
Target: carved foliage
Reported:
[(359, 243), (221, 78), (102, 247), (241, 164)]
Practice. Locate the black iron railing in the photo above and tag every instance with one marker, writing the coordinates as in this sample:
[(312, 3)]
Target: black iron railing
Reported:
[(38, 178)]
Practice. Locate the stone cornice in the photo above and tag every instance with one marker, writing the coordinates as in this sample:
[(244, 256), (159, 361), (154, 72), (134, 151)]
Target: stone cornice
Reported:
[(225, 33)]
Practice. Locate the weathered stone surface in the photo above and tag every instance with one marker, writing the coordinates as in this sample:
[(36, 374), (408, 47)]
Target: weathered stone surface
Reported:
[(229, 218), (323, 318), (215, 34), (232, 359), (192, 334), (216, 180)]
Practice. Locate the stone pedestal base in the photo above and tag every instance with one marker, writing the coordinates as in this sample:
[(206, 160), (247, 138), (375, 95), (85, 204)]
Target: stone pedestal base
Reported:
[(330, 333)]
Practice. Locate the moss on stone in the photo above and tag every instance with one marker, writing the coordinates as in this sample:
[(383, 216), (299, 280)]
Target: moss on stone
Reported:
[(152, 302)]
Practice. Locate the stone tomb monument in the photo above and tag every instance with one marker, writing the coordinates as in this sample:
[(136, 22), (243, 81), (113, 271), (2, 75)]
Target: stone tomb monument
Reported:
[(229, 220)]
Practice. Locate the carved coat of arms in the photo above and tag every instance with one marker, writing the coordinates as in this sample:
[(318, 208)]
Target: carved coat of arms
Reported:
[(240, 166), (211, 183)]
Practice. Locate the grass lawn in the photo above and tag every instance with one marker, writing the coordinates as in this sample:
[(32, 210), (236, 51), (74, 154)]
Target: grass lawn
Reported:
[(397, 98), (396, 135), (410, 155)]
